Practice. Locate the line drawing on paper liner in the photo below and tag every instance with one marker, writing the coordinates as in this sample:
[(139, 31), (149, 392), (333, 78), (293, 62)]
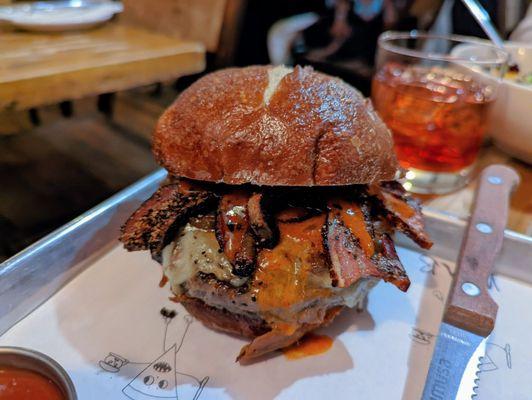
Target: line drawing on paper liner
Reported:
[(159, 379)]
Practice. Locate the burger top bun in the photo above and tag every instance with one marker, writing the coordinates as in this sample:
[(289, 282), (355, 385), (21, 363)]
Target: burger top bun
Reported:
[(274, 126)]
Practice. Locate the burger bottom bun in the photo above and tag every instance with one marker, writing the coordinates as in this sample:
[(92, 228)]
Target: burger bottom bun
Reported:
[(265, 340), (223, 320)]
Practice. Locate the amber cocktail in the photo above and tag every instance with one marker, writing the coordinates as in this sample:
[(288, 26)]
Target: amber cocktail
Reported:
[(435, 106)]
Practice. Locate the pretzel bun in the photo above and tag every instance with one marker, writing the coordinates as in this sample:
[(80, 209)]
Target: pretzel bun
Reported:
[(274, 126)]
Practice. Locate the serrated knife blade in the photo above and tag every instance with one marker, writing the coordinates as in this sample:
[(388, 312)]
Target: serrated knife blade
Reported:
[(470, 312), (469, 383), (455, 364)]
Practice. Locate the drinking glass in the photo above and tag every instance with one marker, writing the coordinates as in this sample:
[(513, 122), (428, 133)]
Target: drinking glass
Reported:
[(434, 93)]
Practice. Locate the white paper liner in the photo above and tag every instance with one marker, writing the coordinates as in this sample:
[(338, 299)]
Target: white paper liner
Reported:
[(105, 328)]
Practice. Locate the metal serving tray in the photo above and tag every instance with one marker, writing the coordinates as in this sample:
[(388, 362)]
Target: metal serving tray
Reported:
[(36, 274)]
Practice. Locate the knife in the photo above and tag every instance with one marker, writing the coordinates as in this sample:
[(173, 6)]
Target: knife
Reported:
[(470, 311)]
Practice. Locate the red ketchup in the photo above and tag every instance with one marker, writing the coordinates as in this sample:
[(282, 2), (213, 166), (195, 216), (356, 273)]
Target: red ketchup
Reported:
[(23, 384)]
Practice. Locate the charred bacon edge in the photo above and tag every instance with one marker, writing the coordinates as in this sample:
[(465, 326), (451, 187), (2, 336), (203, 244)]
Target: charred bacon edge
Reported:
[(389, 260), (413, 226), (348, 261), (154, 223)]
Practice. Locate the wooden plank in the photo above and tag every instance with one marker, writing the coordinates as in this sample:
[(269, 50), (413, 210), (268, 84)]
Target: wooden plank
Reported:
[(37, 69), (12, 122), (102, 152), (45, 185), (52, 173)]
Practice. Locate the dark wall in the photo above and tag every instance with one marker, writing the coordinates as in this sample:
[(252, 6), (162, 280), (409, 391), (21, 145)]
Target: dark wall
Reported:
[(465, 24), (259, 16)]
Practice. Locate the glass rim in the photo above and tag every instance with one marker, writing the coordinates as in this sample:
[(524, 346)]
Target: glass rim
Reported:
[(386, 38)]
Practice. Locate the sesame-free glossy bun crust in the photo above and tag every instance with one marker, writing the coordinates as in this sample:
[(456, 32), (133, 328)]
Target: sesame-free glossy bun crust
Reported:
[(310, 129)]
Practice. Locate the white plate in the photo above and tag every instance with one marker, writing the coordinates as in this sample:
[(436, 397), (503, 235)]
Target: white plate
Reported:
[(59, 16)]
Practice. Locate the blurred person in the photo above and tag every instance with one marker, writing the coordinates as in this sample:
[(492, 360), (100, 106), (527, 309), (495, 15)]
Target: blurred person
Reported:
[(351, 29), (341, 40), (347, 29)]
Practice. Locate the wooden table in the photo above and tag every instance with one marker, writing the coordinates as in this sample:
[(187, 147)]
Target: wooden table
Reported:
[(459, 203), (38, 69)]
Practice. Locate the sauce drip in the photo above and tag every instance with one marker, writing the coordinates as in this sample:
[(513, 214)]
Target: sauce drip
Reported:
[(164, 281), (282, 277), (22, 384), (353, 218), (310, 345)]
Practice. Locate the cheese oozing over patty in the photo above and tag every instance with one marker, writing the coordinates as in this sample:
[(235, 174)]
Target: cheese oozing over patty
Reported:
[(196, 250)]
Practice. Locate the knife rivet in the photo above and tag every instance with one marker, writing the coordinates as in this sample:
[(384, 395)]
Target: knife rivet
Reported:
[(470, 289), (483, 228), (494, 180)]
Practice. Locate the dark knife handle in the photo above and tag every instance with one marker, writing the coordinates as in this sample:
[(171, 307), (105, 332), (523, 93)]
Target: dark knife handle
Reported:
[(469, 305)]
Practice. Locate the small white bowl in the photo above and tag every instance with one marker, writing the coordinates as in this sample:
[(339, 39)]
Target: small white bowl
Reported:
[(510, 119), (511, 115)]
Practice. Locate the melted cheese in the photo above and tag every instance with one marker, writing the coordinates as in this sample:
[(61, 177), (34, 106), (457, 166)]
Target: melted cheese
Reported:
[(354, 296), (196, 250), (289, 279)]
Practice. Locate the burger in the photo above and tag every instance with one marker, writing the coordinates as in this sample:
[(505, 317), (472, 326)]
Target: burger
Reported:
[(279, 206)]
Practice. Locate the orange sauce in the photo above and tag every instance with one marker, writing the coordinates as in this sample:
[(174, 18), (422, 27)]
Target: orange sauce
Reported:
[(398, 206), (310, 345), (282, 275), (164, 281), (352, 216), (22, 384)]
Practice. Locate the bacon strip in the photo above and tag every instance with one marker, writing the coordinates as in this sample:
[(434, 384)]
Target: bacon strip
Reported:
[(403, 212), (349, 263), (154, 223), (266, 232), (352, 257), (390, 266), (234, 234)]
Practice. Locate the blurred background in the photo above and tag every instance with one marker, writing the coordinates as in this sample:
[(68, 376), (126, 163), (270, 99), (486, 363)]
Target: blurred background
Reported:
[(80, 92)]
